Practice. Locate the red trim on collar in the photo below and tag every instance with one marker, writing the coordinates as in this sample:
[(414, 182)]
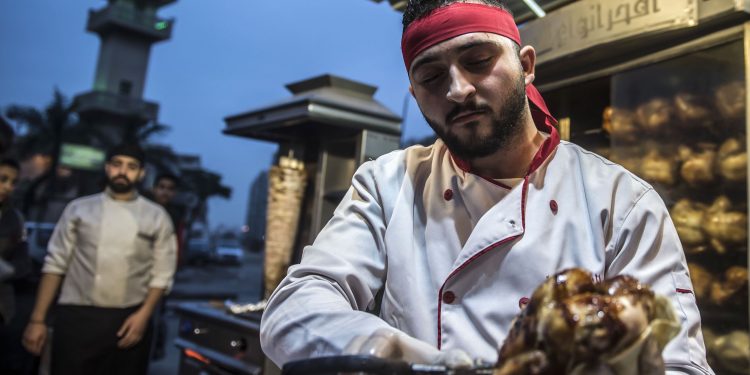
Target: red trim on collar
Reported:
[(524, 194), (464, 166), (496, 182), (549, 145), (461, 163), (545, 150)]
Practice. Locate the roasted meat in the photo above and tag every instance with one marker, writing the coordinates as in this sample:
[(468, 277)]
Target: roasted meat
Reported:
[(698, 168), (730, 100), (621, 124), (658, 169), (693, 110), (733, 160), (688, 220), (732, 288), (583, 326), (726, 227), (732, 351), (656, 114)]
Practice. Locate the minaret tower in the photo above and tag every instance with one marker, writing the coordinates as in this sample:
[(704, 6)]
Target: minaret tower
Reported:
[(127, 29)]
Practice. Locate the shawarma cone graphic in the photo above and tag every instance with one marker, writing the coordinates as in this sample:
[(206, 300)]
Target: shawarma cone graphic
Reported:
[(286, 188)]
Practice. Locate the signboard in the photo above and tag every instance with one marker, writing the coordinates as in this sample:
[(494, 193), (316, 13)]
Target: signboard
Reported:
[(710, 8), (588, 23), (81, 157)]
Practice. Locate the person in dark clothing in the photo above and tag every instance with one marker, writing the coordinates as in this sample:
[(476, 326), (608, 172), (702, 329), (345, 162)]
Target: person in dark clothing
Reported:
[(163, 192), (15, 262), (15, 286)]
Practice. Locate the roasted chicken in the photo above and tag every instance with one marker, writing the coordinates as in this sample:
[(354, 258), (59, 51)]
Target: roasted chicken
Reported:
[(727, 228), (576, 325)]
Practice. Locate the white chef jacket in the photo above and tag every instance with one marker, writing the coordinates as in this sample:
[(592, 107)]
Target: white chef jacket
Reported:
[(421, 245), (111, 251)]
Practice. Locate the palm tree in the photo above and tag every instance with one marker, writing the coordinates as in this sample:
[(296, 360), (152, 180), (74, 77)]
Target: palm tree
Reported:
[(45, 131), (42, 132), (143, 133), (204, 184)]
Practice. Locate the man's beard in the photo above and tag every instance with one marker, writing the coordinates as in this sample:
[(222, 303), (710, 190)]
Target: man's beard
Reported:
[(504, 126), (120, 184)]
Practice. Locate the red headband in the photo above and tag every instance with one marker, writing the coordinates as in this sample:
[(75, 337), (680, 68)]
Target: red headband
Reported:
[(454, 20), (462, 18)]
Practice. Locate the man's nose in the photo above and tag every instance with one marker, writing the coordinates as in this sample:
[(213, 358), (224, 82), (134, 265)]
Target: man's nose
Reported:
[(461, 87)]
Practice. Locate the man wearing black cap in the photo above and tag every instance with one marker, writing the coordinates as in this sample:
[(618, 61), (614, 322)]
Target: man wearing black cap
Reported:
[(114, 254)]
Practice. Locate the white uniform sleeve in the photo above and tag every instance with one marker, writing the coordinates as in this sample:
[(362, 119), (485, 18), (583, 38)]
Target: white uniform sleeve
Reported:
[(62, 243), (647, 247), (165, 255), (322, 303)]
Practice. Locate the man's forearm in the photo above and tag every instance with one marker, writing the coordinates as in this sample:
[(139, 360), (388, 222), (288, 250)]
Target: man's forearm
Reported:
[(152, 300), (46, 293)]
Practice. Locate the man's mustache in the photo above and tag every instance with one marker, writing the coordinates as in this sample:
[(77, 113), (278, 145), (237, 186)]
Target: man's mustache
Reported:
[(460, 109), (120, 177)]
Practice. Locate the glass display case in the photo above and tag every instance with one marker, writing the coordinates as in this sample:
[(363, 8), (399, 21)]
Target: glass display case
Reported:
[(678, 120)]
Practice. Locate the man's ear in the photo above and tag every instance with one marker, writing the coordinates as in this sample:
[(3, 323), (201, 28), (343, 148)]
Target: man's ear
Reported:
[(141, 174), (411, 90), (527, 55)]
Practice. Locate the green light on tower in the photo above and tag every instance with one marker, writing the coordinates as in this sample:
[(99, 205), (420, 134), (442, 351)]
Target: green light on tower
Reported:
[(161, 25)]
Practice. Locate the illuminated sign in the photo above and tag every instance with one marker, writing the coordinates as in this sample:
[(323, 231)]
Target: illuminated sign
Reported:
[(81, 157), (161, 25)]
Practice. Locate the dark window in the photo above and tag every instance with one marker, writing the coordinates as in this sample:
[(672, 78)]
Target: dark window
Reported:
[(125, 87)]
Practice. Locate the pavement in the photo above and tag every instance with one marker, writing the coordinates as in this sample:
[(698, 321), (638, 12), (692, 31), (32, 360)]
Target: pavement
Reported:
[(205, 283)]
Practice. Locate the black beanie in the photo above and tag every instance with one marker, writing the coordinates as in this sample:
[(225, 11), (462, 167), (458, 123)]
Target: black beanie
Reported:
[(128, 149)]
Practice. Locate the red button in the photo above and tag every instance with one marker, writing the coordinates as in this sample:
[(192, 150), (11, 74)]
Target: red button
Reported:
[(553, 206), (448, 195), (523, 302), (449, 297)]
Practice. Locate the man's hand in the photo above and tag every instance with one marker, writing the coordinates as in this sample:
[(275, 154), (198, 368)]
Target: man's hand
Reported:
[(391, 344), (132, 329), (34, 337)]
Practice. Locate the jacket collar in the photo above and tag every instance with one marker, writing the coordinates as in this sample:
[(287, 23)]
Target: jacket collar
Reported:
[(109, 195), (544, 151)]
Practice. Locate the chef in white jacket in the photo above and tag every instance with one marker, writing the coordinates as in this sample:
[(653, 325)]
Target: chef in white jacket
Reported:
[(434, 250)]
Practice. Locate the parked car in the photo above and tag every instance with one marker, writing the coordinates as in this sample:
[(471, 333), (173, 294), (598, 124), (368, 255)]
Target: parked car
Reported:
[(229, 253), (198, 251)]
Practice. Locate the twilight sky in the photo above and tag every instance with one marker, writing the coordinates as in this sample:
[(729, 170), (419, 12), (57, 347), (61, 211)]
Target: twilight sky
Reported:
[(225, 57)]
